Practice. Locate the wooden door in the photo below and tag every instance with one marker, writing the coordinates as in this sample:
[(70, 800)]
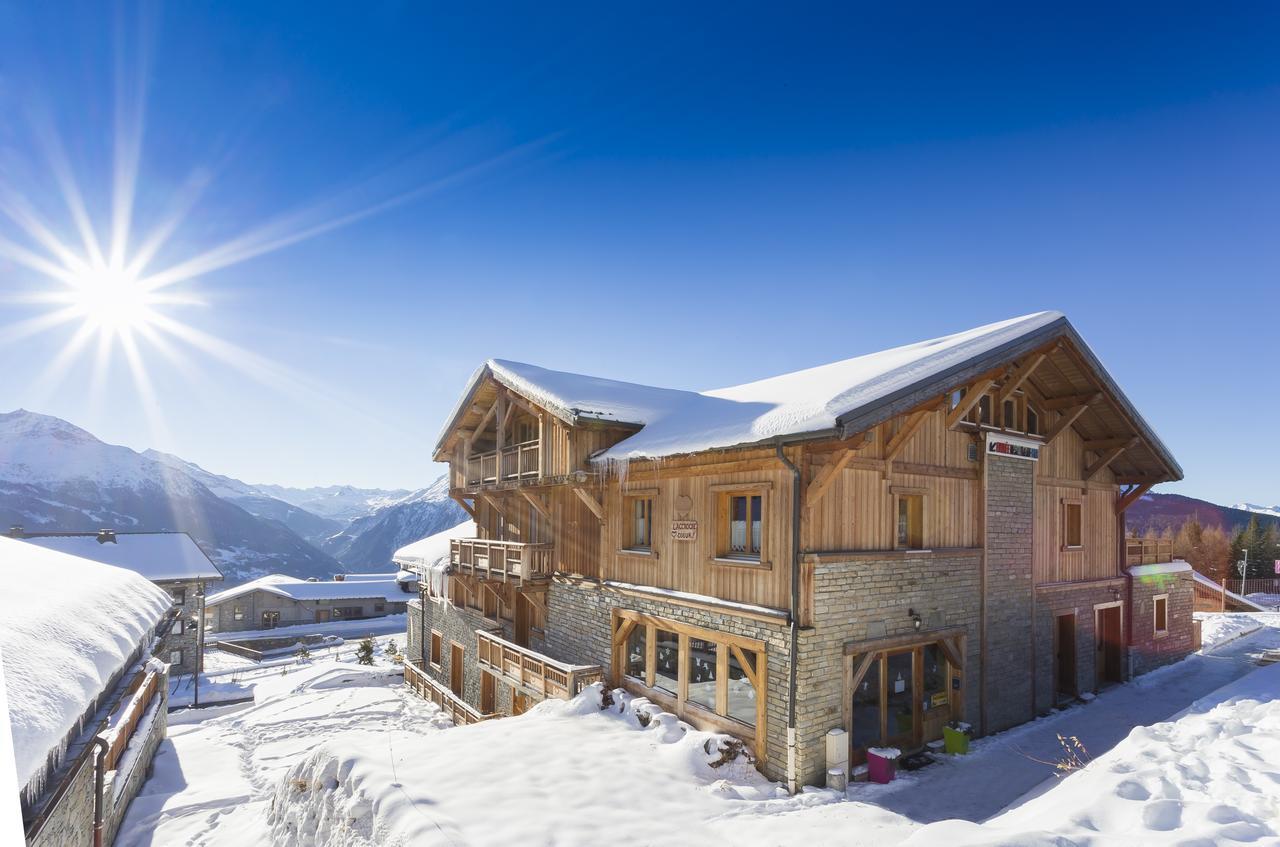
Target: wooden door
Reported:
[(521, 626), (323, 615), (488, 694), (520, 703), (1064, 656), (455, 668), (1110, 646)]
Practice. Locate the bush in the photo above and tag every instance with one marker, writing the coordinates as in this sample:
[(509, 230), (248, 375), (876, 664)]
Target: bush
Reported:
[(364, 653)]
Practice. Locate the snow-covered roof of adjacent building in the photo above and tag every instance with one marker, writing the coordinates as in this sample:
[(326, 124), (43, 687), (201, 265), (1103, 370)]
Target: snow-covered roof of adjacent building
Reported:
[(60, 644), (1160, 568), (434, 549), (158, 556), (838, 399), (352, 587)]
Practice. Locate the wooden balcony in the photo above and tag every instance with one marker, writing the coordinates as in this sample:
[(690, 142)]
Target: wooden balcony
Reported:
[(1147, 551), (459, 710), (515, 463), (509, 561), (532, 672)]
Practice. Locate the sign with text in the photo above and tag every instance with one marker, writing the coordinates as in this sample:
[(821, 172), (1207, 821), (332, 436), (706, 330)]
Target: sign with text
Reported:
[(684, 530), (999, 444)]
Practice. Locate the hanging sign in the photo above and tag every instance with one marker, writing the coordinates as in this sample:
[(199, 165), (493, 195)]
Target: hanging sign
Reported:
[(684, 530), (1278, 566), (999, 444)]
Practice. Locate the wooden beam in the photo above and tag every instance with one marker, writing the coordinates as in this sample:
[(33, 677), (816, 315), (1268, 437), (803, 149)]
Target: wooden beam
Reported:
[(953, 656), (591, 502), (972, 394), (536, 501), (1097, 445), (1069, 416), (860, 672), (747, 668), (823, 481), (620, 636), (909, 428), (1014, 382), (1107, 458), (493, 503), (1132, 496), (484, 420), (534, 600), (1068, 401), (469, 509)]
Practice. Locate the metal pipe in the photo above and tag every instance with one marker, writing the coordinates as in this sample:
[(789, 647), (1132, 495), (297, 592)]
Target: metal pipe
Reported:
[(99, 780), (792, 781)]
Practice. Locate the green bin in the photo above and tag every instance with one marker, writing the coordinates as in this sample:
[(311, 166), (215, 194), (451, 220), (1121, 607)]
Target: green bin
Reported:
[(957, 742)]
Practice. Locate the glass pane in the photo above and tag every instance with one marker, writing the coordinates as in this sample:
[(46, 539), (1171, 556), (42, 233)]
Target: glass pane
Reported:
[(866, 708), (934, 695), (742, 694), (737, 524), (667, 671), (755, 524), (902, 521), (901, 699), (635, 652), (702, 672)]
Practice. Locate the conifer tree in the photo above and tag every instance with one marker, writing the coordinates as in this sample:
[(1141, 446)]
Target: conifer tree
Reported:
[(364, 653)]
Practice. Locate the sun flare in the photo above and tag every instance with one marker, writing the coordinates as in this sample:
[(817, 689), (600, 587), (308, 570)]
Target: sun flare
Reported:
[(112, 301)]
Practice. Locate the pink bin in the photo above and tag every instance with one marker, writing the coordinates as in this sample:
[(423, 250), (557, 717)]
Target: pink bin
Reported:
[(880, 768)]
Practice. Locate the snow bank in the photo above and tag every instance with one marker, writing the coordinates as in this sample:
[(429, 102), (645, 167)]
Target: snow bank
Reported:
[(62, 642), (323, 676), (1219, 628), (433, 550), (154, 555), (1209, 777)]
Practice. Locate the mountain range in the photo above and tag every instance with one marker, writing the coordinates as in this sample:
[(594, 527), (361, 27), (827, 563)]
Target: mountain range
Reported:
[(57, 476), (1170, 511)]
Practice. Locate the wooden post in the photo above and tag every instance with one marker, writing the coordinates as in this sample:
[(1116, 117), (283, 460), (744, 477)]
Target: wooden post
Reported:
[(1224, 594)]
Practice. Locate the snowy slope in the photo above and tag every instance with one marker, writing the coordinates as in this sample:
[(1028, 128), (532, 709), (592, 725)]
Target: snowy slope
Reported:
[(370, 541), (56, 476), (60, 647), (338, 502), (1273, 511)]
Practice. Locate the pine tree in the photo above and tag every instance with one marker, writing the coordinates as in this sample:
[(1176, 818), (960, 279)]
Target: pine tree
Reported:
[(364, 653)]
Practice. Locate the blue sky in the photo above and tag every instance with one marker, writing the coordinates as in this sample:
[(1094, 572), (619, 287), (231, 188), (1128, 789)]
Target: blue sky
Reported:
[(686, 198)]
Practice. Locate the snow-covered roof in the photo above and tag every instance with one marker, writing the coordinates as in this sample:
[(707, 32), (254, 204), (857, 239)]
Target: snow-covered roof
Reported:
[(60, 645), (367, 586), (158, 556), (434, 549), (841, 398), (1177, 566)]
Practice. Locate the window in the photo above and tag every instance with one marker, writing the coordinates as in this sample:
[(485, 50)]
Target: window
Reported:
[(437, 647), (636, 656), (179, 596), (237, 612), (984, 410), (740, 525), (1071, 534), (910, 521), (639, 529), (1033, 421), (712, 673), (179, 627), (175, 657), (379, 607), (1162, 614), (348, 612), (1009, 415)]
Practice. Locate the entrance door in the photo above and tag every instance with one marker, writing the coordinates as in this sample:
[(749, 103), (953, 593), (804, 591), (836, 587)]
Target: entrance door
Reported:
[(487, 694), (1110, 646), (1064, 656), (323, 615), (900, 700), (455, 668), (270, 620)]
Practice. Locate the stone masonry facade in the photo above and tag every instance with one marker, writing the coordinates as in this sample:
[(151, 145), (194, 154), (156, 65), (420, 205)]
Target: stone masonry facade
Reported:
[(1078, 600), (1150, 649), (184, 636), (455, 625), (1010, 508)]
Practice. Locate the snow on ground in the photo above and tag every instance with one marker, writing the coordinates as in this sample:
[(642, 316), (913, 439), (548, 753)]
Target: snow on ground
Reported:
[(1271, 601), (332, 755), (347, 629), (1221, 628)]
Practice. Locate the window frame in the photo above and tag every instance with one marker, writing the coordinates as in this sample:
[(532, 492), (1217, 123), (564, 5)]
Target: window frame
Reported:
[(179, 596), (237, 613), (627, 542), (435, 648), (724, 494), (1155, 615), (1069, 504), (178, 651), (902, 493)]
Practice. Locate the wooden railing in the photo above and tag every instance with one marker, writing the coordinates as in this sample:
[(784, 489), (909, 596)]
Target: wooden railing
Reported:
[(459, 710), (141, 690), (1147, 551), (517, 462), (533, 671), (506, 560)]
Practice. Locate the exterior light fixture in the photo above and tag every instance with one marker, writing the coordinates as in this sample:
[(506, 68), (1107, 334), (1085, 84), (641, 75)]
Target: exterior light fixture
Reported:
[(916, 621)]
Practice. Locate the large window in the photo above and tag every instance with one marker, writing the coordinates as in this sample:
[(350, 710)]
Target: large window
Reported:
[(741, 527), (694, 672), (639, 529)]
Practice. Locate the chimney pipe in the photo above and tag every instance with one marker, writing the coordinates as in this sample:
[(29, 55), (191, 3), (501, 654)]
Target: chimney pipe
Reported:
[(16, 531), (106, 536)]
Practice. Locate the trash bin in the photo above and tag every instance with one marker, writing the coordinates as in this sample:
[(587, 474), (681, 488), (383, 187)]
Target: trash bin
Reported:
[(882, 763), (957, 742)]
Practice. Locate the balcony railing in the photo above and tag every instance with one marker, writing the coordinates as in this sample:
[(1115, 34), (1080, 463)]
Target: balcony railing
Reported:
[(510, 561), (459, 710), (532, 671), (1147, 551), (513, 463)]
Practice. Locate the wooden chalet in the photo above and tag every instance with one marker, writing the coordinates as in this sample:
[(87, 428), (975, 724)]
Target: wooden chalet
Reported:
[(927, 535)]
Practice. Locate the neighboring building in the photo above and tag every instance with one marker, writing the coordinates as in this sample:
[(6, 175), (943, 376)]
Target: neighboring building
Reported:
[(886, 544), (172, 560), (279, 600), (87, 703)]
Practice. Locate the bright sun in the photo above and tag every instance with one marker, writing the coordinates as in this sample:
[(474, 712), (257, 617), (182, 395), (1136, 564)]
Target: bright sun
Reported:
[(113, 301)]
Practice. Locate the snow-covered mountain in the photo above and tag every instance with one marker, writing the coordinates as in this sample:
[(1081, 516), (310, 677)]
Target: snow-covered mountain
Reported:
[(339, 502), (1273, 511), (369, 541), (56, 476), (308, 525)]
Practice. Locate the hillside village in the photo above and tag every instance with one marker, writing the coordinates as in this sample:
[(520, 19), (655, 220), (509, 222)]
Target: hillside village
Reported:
[(892, 596)]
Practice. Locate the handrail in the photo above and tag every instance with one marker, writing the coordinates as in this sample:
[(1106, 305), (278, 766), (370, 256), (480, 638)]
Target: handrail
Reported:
[(1148, 551), (506, 560), (459, 711), (532, 670), (513, 462)]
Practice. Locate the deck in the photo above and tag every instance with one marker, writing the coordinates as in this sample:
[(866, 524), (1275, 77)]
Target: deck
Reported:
[(507, 561), (451, 704), (1147, 551), (530, 671), (515, 463)]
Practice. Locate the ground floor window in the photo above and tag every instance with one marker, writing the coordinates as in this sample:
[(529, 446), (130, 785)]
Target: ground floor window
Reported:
[(437, 647), (175, 657), (697, 673), (902, 693), (1161, 610), (237, 613)]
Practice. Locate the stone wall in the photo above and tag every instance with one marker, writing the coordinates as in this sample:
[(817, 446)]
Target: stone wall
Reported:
[(1079, 599), (185, 633), (580, 616), (117, 801), (1010, 508), (292, 612), (70, 824), (455, 624), (1151, 650)]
